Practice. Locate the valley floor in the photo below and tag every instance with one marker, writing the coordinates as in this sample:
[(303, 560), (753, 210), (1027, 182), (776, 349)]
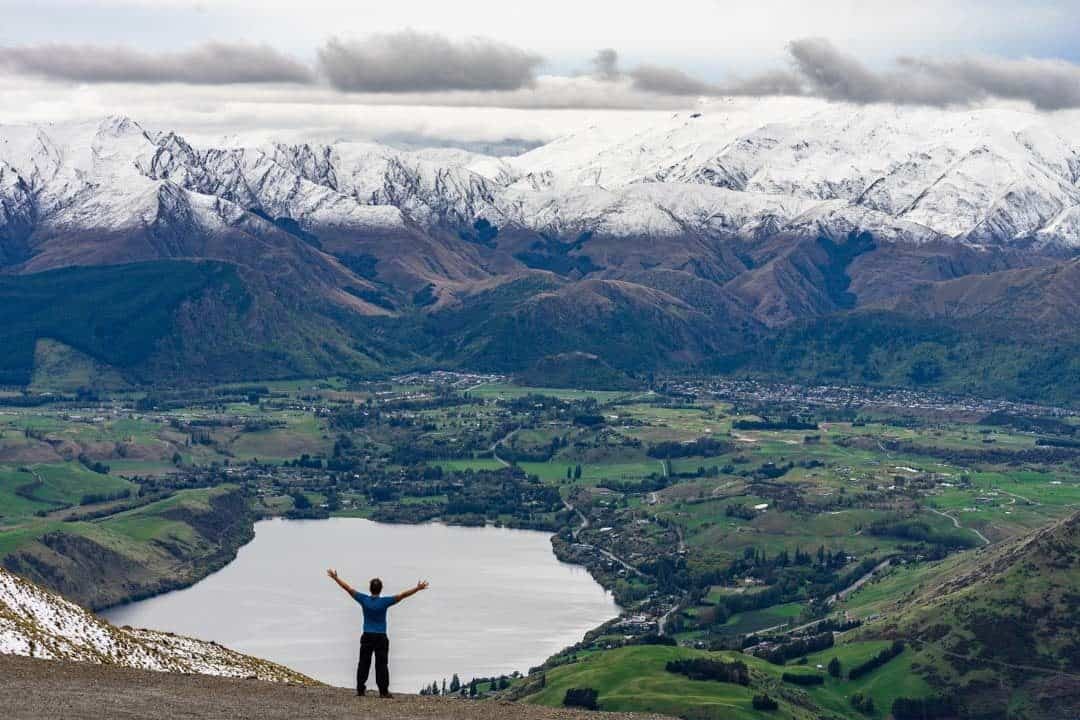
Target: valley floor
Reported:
[(43, 689)]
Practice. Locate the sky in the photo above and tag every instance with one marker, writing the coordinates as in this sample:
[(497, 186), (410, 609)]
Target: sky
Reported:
[(432, 71)]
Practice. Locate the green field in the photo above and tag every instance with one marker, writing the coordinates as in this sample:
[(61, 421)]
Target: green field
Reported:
[(635, 678)]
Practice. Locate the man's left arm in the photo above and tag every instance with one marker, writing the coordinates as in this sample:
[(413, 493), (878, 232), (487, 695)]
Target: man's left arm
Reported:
[(422, 585)]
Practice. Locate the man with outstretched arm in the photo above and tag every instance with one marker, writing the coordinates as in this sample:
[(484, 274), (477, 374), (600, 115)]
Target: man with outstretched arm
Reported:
[(374, 641)]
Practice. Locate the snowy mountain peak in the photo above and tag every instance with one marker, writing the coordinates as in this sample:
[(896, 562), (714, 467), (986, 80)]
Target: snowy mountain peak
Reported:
[(734, 169)]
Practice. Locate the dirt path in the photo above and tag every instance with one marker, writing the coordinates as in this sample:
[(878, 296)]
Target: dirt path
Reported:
[(957, 525), (45, 690)]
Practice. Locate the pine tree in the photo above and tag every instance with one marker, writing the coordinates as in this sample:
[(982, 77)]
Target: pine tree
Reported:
[(472, 689), (455, 683), (577, 471), (834, 667)]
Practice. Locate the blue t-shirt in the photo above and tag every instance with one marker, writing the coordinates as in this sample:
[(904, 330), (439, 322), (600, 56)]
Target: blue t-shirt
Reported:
[(374, 610)]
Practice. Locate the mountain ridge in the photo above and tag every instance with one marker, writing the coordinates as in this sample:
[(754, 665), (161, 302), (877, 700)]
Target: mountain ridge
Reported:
[(706, 232)]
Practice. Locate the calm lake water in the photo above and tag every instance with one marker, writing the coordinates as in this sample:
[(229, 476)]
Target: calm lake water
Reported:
[(499, 600)]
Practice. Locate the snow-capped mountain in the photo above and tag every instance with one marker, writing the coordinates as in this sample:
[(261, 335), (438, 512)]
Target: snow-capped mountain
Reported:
[(979, 176), (41, 624), (988, 176), (708, 227)]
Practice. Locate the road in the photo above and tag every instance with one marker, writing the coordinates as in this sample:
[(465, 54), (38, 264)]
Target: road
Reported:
[(494, 449), (858, 583), (661, 623), (584, 520), (609, 555), (956, 524)]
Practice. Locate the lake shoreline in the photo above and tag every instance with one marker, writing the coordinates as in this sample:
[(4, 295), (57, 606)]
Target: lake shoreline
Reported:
[(525, 609)]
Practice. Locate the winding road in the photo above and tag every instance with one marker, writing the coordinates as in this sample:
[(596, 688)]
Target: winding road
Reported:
[(956, 524)]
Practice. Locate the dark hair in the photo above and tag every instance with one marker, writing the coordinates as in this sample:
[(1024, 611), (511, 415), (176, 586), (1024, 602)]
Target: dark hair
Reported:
[(375, 585)]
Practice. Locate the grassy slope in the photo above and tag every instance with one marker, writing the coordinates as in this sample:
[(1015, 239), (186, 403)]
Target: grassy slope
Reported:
[(116, 314), (167, 320), (635, 678), (160, 546)]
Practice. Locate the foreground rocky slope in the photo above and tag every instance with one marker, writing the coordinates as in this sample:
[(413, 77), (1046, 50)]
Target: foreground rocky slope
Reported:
[(40, 690), (39, 624)]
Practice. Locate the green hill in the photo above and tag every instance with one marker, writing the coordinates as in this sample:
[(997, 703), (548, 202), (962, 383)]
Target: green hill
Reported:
[(576, 370), (997, 628), (166, 321), (636, 679)]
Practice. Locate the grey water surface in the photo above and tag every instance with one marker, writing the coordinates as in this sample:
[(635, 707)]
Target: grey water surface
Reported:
[(499, 600)]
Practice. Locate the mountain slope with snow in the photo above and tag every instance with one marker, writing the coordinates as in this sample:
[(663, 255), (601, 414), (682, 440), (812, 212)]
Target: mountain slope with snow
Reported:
[(706, 229), (41, 624)]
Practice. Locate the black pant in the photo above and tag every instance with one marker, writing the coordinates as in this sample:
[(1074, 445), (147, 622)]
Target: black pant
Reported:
[(379, 644)]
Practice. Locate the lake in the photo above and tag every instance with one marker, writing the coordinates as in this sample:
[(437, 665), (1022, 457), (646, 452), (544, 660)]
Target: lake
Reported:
[(499, 600)]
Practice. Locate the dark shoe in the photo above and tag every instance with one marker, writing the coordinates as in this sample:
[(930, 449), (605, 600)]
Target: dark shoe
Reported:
[(361, 692), (386, 695)]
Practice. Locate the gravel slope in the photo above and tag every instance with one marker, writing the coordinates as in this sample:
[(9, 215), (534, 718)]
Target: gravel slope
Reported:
[(46, 690)]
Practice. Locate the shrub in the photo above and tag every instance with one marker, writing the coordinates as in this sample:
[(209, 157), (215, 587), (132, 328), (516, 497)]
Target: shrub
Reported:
[(784, 652), (707, 669), (803, 679), (862, 703), (877, 661), (922, 708), (581, 698), (764, 702)]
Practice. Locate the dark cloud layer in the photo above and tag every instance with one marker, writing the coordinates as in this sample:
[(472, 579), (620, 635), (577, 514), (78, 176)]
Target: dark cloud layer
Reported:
[(820, 69), (210, 64), (409, 61), (1046, 84)]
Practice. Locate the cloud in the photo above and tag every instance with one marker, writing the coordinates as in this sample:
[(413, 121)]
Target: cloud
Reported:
[(672, 81), (213, 63), (826, 72), (410, 67), (829, 73), (820, 69), (667, 81), (410, 61), (606, 65), (1046, 84)]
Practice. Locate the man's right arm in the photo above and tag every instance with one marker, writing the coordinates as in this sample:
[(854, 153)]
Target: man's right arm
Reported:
[(344, 585)]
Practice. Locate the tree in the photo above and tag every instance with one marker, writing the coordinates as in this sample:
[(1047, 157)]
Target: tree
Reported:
[(834, 667), (455, 683), (862, 703), (577, 471), (472, 689), (764, 702), (300, 501), (582, 698)]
